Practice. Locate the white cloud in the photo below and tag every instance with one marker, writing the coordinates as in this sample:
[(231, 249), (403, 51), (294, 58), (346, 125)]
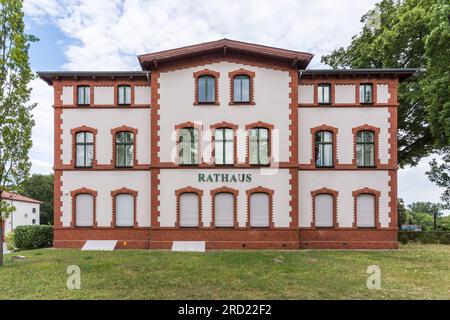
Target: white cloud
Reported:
[(108, 34)]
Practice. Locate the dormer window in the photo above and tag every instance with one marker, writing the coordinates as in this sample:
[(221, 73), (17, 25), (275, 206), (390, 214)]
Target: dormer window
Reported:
[(83, 95), (206, 89), (124, 95), (324, 93)]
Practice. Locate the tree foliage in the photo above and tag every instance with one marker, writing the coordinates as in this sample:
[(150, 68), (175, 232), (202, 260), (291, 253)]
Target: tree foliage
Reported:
[(409, 34), (16, 119), (440, 175), (40, 187)]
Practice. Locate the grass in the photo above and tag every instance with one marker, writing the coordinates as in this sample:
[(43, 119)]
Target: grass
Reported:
[(413, 272)]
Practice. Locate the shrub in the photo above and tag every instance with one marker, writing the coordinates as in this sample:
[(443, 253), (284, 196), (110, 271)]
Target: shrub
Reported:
[(9, 240), (403, 238), (33, 237), (441, 237)]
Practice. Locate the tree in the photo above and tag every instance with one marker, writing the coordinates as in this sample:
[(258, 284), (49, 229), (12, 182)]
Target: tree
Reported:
[(16, 119), (409, 34), (440, 175), (40, 187), (433, 210)]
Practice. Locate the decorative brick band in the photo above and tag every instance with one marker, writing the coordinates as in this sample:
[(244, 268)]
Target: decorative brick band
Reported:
[(331, 192), (189, 189), (235, 194), (73, 195), (207, 72), (114, 194), (267, 191), (242, 72)]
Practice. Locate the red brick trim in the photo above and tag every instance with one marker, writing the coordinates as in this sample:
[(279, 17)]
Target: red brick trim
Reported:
[(124, 128), (186, 125), (242, 72), (235, 194), (207, 72), (73, 195), (392, 184), (73, 133), (376, 132), (376, 194), (293, 203), (199, 193), (334, 131), (227, 125), (331, 192), (260, 189), (115, 193), (154, 197), (258, 124)]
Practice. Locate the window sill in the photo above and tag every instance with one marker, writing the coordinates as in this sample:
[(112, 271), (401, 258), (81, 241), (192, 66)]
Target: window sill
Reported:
[(366, 103), (324, 167), (366, 167), (206, 103), (242, 103), (324, 103)]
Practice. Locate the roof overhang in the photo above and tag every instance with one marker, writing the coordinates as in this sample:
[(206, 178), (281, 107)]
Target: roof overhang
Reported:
[(50, 76), (400, 73), (224, 47)]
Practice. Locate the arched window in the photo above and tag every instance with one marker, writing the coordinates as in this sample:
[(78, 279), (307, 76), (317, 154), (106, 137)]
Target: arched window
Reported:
[(365, 148), (84, 210), (365, 210), (241, 88), (224, 145), (84, 148), (83, 95), (124, 210), (224, 209), (189, 203), (259, 146), (324, 204), (259, 210), (188, 146), (324, 148), (124, 149), (124, 94), (206, 89)]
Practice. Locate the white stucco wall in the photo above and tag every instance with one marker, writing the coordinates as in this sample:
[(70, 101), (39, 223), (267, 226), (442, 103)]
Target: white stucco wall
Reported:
[(22, 216), (142, 95), (344, 119), (67, 95), (104, 95), (271, 95), (344, 93), (104, 120), (306, 94), (104, 182), (383, 93), (345, 182), (172, 180)]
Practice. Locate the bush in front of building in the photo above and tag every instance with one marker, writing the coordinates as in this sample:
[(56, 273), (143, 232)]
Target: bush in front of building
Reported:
[(436, 237), (9, 240), (33, 237)]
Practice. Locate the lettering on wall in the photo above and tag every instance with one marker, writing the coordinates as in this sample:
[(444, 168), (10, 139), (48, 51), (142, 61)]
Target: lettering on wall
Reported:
[(225, 177)]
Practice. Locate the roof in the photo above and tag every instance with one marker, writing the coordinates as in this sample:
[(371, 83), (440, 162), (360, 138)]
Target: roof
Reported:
[(151, 61), (401, 73), (17, 197), (49, 76)]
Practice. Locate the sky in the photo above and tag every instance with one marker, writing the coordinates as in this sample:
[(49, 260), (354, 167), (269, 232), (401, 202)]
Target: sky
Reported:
[(108, 34)]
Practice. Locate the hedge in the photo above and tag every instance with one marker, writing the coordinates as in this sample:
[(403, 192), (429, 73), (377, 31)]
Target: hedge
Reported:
[(442, 237), (33, 237)]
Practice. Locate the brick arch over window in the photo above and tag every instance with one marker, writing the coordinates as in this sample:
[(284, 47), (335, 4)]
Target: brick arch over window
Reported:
[(334, 132), (242, 72), (187, 125), (115, 193), (376, 195), (207, 72), (376, 132), (227, 125), (73, 195), (331, 192), (235, 194), (73, 133), (124, 128), (267, 191), (258, 124), (189, 189)]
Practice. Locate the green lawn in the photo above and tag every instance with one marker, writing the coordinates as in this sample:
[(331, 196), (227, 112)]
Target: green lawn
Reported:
[(413, 272)]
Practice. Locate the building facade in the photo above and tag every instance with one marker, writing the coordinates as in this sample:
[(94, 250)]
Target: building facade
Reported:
[(231, 143)]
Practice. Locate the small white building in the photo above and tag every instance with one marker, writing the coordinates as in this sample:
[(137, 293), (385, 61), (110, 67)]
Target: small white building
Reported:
[(26, 213)]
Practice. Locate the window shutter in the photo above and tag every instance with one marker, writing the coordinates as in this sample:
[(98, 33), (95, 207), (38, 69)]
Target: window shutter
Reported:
[(224, 210), (84, 215), (259, 210), (124, 210), (365, 216), (189, 210), (324, 210)]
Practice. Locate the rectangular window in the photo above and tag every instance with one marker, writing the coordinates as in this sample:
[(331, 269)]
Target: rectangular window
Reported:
[(324, 93), (324, 210), (206, 89), (124, 95), (241, 88), (365, 93), (224, 146), (84, 149), (124, 210), (83, 95), (84, 215), (365, 149), (34, 210), (259, 146), (224, 210), (124, 149), (188, 146), (365, 215), (33, 221), (189, 210), (259, 210)]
